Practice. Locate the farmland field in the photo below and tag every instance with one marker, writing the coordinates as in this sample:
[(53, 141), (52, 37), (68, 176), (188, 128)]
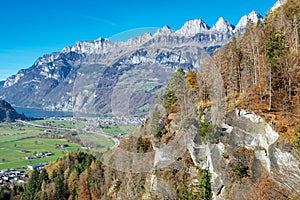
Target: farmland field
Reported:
[(19, 141), (56, 123), (100, 142), (11, 155)]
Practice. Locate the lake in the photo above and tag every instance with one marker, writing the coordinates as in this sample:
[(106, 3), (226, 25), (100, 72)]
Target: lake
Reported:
[(40, 113)]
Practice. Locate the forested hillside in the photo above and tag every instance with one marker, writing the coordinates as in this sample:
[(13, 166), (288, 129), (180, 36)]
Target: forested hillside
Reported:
[(261, 70)]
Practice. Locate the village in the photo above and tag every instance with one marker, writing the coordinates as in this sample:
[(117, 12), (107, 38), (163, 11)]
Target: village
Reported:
[(120, 120), (12, 176)]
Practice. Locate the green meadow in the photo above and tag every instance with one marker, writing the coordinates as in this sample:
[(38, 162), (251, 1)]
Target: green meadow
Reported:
[(11, 155), (15, 140), (119, 129), (56, 123), (100, 142)]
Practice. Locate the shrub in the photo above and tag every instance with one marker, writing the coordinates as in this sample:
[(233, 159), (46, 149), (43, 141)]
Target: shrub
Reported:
[(240, 170)]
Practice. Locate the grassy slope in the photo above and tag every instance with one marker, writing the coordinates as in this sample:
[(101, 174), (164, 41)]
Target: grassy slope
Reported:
[(13, 157)]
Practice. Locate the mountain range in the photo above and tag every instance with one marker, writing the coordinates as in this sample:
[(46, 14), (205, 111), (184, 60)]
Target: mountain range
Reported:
[(101, 76)]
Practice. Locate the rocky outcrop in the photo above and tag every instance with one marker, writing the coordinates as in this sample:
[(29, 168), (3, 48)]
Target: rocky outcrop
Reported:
[(244, 156), (254, 17), (8, 113), (247, 151)]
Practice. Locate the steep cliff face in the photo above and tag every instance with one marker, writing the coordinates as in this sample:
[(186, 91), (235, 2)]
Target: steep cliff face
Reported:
[(241, 159), (247, 152)]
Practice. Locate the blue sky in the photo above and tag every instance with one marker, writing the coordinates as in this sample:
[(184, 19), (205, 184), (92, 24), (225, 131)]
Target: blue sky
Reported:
[(32, 28)]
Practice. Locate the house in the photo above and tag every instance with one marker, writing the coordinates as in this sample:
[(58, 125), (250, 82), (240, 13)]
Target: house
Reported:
[(59, 118), (121, 135), (61, 146), (45, 154), (30, 157), (38, 166)]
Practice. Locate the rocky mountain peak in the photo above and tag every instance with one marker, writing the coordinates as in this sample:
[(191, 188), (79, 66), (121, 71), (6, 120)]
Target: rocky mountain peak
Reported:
[(222, 26), (252, 16), (278, 4), (165, 30), (97, 46), (139, 39), (192, 27)]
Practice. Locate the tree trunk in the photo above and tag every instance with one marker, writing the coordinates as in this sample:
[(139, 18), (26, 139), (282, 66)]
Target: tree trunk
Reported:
[(270, 88)]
